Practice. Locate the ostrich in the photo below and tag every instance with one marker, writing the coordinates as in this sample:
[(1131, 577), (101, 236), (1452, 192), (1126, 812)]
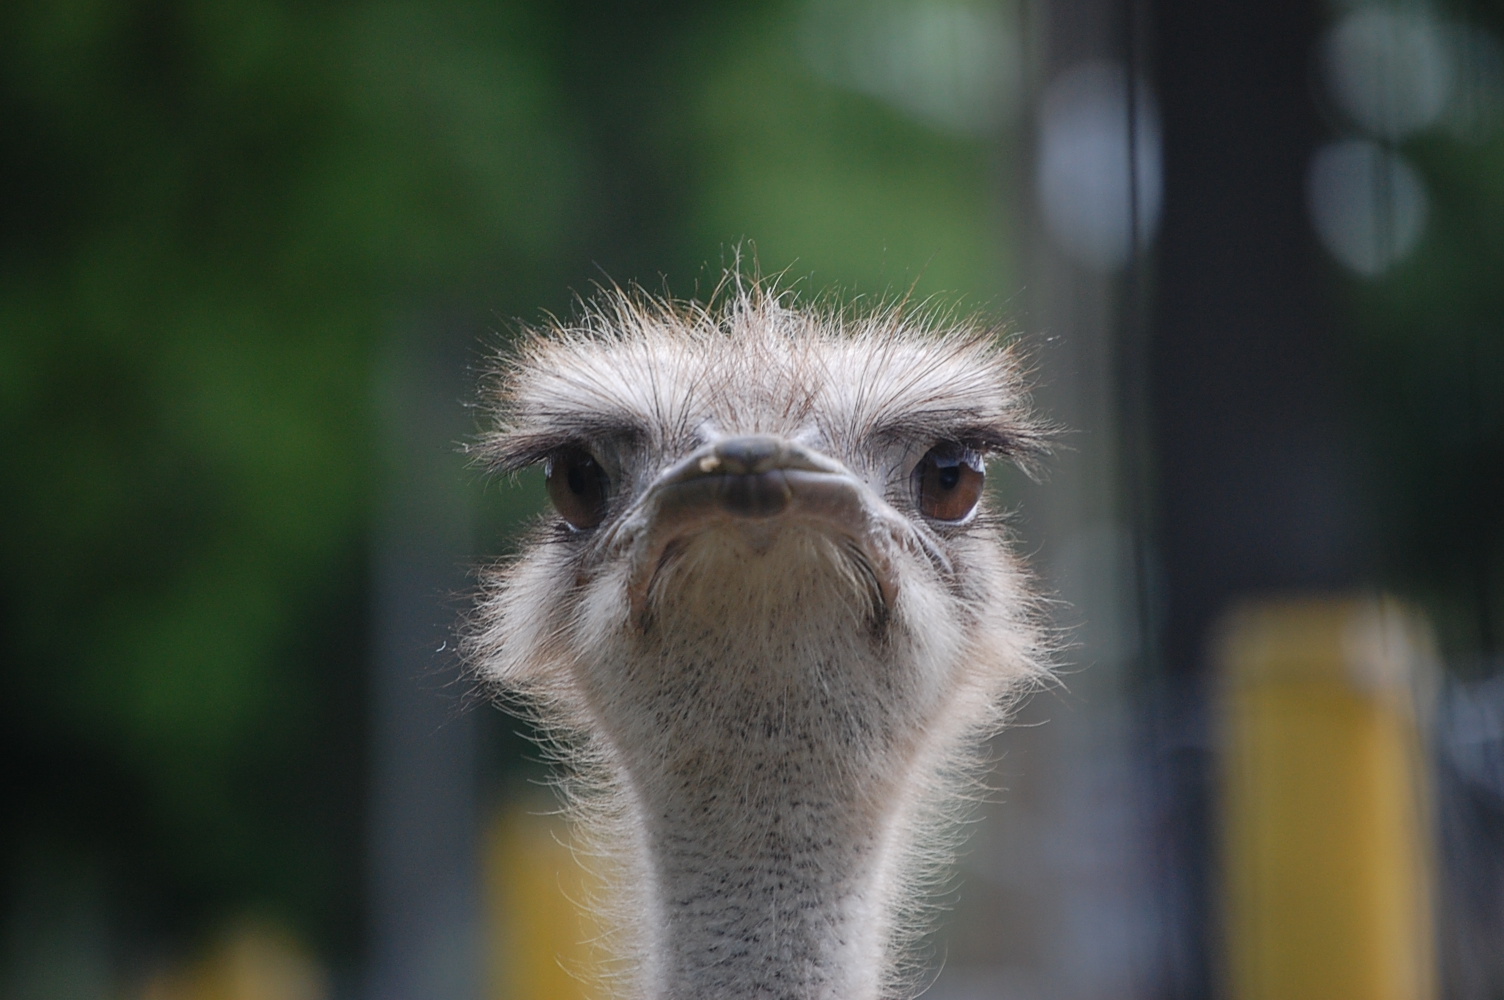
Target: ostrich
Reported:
[(768, 623)]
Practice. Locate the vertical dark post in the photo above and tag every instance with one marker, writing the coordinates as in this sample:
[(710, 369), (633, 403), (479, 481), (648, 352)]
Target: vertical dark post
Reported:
[(1253, 479), (424, 877)]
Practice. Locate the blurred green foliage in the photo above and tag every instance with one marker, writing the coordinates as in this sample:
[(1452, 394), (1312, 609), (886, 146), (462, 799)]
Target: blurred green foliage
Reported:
[(1427, 347), (212, 216)]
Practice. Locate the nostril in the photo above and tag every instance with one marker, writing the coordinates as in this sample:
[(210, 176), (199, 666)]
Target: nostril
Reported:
[(750, 454)]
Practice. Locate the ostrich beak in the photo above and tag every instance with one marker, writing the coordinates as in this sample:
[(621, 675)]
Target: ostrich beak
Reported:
[(757, 482), (757, 476)]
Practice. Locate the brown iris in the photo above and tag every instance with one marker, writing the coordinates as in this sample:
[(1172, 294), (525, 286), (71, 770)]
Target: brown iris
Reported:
[(577, 486), (948, 481)]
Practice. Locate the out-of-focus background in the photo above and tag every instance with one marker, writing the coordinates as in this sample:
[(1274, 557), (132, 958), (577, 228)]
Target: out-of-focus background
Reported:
[(253, 252)]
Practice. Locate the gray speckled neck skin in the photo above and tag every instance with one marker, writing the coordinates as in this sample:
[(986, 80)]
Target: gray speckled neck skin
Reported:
[(768, 768), (771, 664)]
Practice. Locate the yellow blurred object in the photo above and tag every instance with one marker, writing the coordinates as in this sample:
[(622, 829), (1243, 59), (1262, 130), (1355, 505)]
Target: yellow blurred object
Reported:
[(252, 961), (1326, 823), (543, 943)]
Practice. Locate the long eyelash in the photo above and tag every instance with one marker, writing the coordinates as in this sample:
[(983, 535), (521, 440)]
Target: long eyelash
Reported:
[(1015, 443), (514, 450)]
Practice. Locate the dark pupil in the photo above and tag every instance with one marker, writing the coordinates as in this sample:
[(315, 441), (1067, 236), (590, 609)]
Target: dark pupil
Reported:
[(950, 475), (579, 476)]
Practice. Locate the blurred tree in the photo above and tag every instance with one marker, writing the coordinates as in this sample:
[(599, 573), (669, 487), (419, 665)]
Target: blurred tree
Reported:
[(212, 214)]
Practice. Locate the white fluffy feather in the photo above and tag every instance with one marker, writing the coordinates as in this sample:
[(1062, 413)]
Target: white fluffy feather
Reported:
[(776, 751)]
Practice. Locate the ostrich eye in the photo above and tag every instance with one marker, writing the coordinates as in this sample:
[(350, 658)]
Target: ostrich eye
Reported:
[(948, 481), (577, 486)]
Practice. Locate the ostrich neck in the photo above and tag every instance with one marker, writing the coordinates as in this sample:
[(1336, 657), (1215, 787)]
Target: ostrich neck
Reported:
[(761, 891), (770, 782)]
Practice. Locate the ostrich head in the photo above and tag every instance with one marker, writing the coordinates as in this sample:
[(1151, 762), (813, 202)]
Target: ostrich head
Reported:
[(770, 618)]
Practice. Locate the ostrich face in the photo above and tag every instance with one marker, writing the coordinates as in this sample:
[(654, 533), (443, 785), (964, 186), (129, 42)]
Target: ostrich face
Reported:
[(758, 489), (769, 609)]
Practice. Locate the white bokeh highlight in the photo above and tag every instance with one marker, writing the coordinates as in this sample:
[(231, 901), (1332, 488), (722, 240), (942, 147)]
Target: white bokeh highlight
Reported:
[(1390, 71), (1369, 206), (1082, 170)]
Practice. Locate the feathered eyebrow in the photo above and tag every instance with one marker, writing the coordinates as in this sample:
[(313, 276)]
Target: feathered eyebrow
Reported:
[(510, 450), (1017, 441)]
